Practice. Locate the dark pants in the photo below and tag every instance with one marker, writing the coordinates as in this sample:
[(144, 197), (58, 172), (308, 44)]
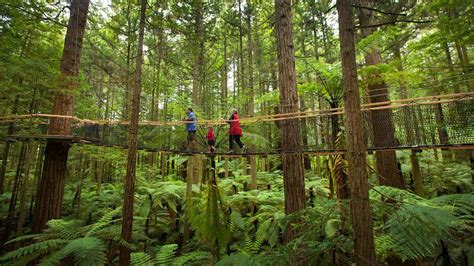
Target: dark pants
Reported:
[(237, 139)]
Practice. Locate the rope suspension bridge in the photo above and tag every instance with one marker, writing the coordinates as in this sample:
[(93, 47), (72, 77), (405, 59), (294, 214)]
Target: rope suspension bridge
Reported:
[(441, 121)]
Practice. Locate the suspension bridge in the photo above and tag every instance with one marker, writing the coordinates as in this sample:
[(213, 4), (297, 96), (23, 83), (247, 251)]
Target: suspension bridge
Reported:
[(439, 121)]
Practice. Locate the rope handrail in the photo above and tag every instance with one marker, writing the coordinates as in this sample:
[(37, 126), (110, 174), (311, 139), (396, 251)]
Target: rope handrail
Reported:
[(393, 104)]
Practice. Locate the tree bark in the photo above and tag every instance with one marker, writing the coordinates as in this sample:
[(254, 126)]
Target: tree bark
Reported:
[(417, 177), (251, 92), (129, 188), (15, 191), (189, 191), (293, 172), (6, 148), (49, 200), (361, 215), (253, 172), (383, 131), (198, 43)]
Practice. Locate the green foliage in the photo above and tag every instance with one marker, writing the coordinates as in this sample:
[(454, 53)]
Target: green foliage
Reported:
[(86, 251), (141, 258), (238, 259), (210, 219), (193, 258), (65, 238), (165, 254), (416, 225)]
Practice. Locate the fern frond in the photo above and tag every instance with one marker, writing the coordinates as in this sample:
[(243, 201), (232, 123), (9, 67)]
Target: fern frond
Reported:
[(417, 229), (86, 251), (193, 258), (166, 254), (105, 220), (460, 204), (62, 229), (21, 238), (141, 258), (238, 259), (37, 249)]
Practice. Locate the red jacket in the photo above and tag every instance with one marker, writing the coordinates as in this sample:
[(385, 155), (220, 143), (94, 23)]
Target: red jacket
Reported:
[(210, 135), (235, 128)]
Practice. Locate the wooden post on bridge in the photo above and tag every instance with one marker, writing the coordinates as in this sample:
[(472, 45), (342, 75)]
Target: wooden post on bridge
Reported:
[(253, 171), (189, 191), (164, 166), (226, 167)]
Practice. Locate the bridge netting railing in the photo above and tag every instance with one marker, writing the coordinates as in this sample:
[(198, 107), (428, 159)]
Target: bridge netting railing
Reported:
[(443, 120)]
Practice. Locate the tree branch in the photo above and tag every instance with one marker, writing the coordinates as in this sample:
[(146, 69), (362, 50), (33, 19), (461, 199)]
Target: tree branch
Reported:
[(394, 22), (379, 11)]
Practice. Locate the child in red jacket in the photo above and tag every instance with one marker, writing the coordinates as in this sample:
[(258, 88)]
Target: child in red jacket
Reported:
[(211, 139)]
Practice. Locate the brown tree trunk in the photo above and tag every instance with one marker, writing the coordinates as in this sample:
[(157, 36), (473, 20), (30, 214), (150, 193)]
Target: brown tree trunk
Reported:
[(6, 148), (25, 188), (198, 42), (225, 70), (442, 132), (253, 172), (417, 177), (361, 215), (189, 191), (251, 93), (15, 191), (383, 131), (49, 200), (129, 188), (293, 172)]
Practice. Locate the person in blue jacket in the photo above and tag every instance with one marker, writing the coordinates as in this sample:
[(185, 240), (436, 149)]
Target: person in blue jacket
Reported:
[(191, 129)]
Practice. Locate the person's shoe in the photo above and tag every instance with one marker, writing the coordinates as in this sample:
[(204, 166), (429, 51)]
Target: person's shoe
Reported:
[(245, 148), (232, 151)]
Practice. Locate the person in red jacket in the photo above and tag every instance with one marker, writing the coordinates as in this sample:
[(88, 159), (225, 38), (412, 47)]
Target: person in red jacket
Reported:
[(211, 139), (235, 131)]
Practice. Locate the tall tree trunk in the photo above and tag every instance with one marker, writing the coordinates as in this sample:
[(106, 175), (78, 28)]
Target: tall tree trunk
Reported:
[(6, 148), (198, 49), (25, 188), (189, 191), (225, 70), (383, 131), (241, 75), (361, 215), (408, 113), (251, 92), (293, 172), (417, 177), (49, 200), (129, 188), (15, 191)]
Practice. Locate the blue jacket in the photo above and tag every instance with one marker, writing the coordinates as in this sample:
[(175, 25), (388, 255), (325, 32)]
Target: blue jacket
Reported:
[(191, 126)]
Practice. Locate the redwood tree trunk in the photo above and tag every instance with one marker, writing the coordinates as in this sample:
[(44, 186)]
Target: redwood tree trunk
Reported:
[(49, 200), (129, 188), (383, 131), (361, 215), (293, 172)]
